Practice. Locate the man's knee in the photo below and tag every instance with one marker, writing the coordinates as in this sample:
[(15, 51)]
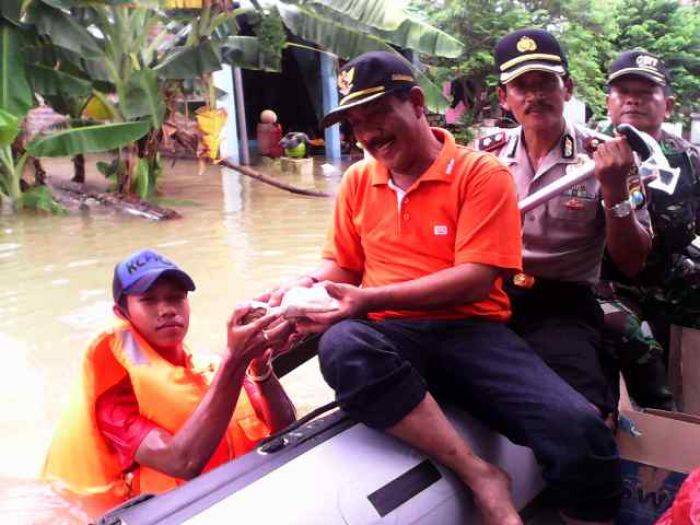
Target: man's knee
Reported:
[(337, 346)]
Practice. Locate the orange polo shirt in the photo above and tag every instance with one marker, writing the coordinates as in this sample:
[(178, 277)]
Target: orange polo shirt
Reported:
[(463, 209)]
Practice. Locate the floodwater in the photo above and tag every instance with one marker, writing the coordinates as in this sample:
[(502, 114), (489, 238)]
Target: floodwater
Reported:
[(237, 238)]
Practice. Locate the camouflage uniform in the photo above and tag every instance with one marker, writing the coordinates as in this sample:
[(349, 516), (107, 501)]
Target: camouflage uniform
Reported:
[(668, 289)]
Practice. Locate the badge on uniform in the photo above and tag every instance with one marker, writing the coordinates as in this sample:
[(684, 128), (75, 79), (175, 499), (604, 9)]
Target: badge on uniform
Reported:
[(492, 142), (636, 192), (567, 147), (578, 195), (574, 203)]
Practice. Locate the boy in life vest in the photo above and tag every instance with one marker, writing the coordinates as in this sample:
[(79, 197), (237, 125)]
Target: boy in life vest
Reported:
[(142, 417)]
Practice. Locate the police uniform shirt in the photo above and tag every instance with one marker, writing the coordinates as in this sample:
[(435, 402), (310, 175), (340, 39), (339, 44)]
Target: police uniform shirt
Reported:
[(564, 238)]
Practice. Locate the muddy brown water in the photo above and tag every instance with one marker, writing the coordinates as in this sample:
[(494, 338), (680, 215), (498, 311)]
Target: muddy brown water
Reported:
[(237, 238)]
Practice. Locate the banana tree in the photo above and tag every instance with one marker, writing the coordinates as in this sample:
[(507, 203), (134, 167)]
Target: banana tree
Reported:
[(112, 44), (17, 97)]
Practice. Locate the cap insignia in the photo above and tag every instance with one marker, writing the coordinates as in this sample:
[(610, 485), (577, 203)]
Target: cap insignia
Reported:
[(526, 44), (345, 79), (647, 61)]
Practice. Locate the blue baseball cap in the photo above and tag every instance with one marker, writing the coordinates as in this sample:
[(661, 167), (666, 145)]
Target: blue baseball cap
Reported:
[(137, 273)]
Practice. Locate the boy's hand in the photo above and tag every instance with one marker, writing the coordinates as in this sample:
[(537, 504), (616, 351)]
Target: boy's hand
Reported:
[(251, 340)]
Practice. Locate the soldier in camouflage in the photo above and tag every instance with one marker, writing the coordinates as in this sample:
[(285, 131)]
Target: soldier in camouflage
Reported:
[(668, 290)]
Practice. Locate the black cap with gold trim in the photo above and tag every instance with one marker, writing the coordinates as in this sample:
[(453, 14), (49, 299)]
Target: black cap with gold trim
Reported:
[(528, 50), (639, 63), (369, 77)]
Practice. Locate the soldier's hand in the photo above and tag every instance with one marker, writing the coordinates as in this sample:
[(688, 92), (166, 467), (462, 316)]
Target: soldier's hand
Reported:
[(614, 161)]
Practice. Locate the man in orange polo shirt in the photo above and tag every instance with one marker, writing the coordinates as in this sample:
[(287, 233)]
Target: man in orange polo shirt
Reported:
[(422, 235)]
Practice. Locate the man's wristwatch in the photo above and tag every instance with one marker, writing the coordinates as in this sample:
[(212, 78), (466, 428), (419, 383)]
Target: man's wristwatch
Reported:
[(619, 210)]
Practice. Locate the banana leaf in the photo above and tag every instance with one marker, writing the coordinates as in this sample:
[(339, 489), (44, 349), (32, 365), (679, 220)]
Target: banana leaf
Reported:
[(341, 40), (409, 34), (348, 43), (49, 82), (9, 128), (64, 91), (424, 38), (67, 4), (63, 30), (246, 52), (189, 61), (140, 184), (381, 14), (140, 97), (15, 92), (97, 109), (11, 10), (90, 139)]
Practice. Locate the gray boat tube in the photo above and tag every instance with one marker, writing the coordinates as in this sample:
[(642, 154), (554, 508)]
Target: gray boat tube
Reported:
[(332, 470)]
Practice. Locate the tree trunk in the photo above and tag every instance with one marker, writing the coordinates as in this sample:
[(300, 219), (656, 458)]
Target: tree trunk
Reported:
[(39, 172), (79, 168)]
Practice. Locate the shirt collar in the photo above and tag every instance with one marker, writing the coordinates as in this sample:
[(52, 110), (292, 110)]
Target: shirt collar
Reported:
[(565, 151), (439, 170)]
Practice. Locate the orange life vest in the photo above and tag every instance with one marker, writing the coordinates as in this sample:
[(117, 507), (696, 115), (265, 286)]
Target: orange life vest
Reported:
[(80, 460)]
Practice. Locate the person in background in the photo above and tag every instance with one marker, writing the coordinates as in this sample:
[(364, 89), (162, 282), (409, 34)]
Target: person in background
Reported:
[(668, 289), (143, 417), (554, 307)]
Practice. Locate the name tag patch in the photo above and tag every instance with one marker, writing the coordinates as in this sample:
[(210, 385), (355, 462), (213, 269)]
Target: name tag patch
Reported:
[(440, 229)]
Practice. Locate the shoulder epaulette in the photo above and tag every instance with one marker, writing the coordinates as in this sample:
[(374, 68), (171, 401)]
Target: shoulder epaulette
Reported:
[(492, 142)]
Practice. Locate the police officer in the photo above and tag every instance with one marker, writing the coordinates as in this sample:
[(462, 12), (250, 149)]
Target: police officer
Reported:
[(668, 289), (554, 307)]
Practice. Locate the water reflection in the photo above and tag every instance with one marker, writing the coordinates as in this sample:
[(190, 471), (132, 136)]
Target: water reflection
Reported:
[(237, 238)]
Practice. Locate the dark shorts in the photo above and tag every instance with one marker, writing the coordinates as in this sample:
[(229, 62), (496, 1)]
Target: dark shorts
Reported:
[(381, 371)]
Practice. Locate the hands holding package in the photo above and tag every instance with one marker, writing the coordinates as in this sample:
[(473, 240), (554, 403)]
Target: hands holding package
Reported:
[(270, 325)]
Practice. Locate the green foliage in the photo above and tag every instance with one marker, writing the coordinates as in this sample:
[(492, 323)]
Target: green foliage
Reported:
[(185, 62), (9, 128), (140, 97), (271, 37), (140, 184), (592, 32), (40, 198), (15, 93), (672, 31), (88, 139)]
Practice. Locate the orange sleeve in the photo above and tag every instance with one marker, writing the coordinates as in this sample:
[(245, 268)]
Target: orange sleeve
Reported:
[(488, 226), (343, 244)]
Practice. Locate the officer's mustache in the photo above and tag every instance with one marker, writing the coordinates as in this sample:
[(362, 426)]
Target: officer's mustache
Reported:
[(537, 106)]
